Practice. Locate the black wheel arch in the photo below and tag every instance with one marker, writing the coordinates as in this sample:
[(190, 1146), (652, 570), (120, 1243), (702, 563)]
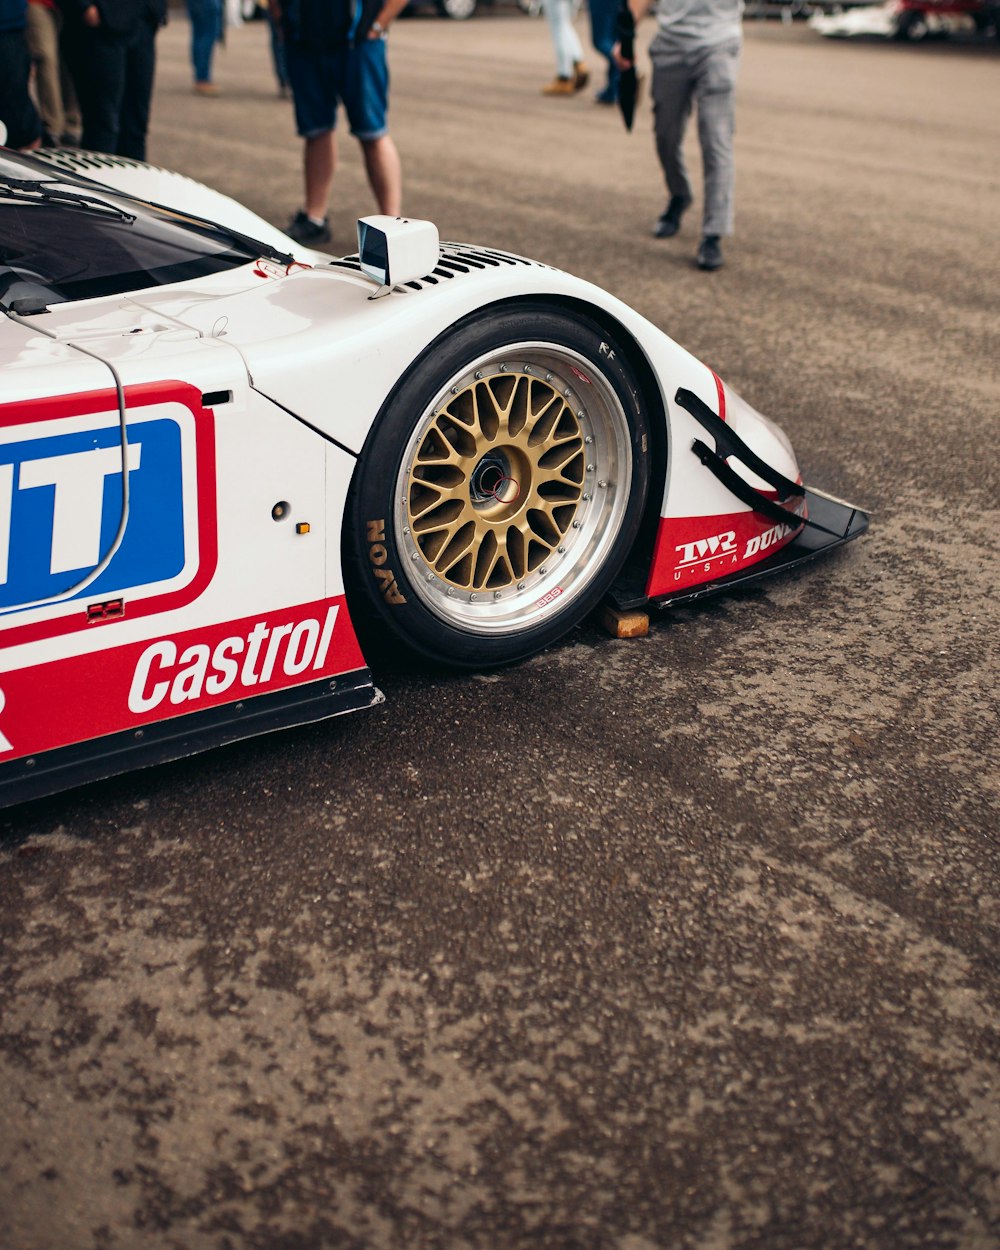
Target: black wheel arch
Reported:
[(651, 398), (642, 548)]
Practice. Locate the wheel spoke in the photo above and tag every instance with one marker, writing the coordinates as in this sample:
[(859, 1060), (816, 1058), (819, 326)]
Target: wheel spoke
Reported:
[(524, 440)]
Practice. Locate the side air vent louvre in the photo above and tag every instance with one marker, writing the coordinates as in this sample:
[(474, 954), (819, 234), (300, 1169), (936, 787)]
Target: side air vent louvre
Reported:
[(78, 161), (456, 259)]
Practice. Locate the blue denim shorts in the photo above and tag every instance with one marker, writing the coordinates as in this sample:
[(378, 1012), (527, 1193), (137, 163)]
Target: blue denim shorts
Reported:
[(356, 77)]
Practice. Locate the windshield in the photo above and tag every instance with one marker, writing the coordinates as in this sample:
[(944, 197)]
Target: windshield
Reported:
[(63, 238)]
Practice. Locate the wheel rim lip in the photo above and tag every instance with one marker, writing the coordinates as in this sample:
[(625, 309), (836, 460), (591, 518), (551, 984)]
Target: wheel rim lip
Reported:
[(567, 574)]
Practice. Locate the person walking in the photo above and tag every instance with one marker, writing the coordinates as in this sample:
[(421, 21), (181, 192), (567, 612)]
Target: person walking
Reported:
[(335, 53), (111, 52), (696, 57), (572, 74), (206, 30)]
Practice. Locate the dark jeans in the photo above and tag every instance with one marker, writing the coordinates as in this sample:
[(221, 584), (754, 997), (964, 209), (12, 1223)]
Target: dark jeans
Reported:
[(17, 112), (278, 50), (114, 79), (206, 30), (604, 36)]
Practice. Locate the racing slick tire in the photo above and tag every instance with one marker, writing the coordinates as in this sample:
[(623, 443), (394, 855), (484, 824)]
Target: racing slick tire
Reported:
[(500, 489)]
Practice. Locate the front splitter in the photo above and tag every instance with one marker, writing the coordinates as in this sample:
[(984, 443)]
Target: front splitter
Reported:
[(841, 523)]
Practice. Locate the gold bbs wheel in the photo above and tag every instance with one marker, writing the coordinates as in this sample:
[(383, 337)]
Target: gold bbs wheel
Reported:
[(500, 489), (513, 487)]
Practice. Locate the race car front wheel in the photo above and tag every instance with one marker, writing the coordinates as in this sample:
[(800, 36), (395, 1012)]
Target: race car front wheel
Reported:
[(500, 489)]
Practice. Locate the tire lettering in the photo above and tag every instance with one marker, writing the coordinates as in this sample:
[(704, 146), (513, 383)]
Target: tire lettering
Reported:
[(390, 590), (378, 553)]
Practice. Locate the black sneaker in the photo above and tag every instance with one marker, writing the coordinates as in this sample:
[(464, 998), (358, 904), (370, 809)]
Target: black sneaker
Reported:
[(710, 253), (303, 230), (669, 221)]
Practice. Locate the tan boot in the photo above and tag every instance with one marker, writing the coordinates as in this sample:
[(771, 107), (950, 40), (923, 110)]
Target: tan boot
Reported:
[(581, 75), (560, 86)]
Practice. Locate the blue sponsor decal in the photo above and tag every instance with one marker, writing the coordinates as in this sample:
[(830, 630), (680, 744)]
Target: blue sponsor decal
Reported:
[(61, 506)]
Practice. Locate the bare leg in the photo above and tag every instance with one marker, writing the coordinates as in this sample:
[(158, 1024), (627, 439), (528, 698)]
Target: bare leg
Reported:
[(385, 174), (320, 160)]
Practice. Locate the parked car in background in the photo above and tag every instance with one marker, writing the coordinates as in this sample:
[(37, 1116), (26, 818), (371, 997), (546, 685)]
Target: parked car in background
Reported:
[(457, 10), (910, 19)]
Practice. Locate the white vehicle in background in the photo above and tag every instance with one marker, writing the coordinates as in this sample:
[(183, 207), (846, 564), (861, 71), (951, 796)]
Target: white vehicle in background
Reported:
[(909, 19)]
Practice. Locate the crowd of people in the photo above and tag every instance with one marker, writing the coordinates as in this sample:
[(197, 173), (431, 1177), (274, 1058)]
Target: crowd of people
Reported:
[(80, 72)]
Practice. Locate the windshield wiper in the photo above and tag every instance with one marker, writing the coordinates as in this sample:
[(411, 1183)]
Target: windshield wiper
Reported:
[(28, 191), (205, 225)]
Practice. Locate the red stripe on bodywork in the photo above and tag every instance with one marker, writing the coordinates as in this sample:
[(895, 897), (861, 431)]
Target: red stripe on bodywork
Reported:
[(88, 696), (692, 550), (722, 395)]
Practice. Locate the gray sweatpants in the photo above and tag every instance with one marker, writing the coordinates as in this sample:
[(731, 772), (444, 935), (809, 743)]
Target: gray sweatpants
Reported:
[(707, 77)]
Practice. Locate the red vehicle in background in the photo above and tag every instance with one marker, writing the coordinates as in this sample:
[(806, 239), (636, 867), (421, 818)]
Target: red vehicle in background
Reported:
[(918, 19)]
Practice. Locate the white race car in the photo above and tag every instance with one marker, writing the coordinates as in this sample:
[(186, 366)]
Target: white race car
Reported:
[(230, 468)]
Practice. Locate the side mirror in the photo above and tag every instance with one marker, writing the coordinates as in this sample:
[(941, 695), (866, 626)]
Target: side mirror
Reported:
[(396, 249)]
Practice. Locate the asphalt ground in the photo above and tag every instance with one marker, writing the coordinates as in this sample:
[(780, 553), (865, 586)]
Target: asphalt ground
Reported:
[(682, 942)]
